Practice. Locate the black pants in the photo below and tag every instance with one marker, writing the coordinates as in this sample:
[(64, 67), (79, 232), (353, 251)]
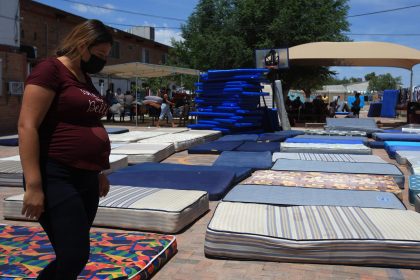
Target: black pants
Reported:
[(71, 202)]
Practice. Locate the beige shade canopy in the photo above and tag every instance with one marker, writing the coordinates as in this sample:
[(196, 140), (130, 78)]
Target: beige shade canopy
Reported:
[(145, 70), (354, 54)]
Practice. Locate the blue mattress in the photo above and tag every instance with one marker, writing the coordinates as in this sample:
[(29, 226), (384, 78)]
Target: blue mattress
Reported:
[(359, 124), (216, 183), (239, 137), (410, 137), (241, 173), (215, 147), (327, 141), (376, 144), (116, 130), (375, 109), (259, 147), (271, 137), (413, 188), (9, 142), (392, 150), (389, 103), (254, 160), (295, 196)]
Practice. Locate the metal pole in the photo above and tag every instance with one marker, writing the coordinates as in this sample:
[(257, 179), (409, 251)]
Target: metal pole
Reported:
[(411, 85), (137, 113)]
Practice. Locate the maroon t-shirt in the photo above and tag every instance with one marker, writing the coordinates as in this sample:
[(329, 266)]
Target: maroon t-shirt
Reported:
[(71, 131)]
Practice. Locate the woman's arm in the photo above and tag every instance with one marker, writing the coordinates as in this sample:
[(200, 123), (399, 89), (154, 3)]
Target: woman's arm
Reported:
[(36, 102)]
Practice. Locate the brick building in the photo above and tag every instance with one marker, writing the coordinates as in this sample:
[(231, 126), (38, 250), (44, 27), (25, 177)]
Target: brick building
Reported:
[(40, 29)]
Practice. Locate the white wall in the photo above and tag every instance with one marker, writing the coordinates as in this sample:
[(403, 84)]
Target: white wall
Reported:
[(9, 23)]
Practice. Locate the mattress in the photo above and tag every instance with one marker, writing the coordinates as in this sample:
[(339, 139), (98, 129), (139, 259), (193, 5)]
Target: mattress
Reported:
[(116, 130), (389, 103), (334, 137), (133, 136), (411, 137), (329, 157), (9, 142), (11, 173), (362, 182), (215, 147), (240, 137), (392, 150), (341, 167), (417, 203), (216, 182), (181, 141), (23, 251), (146, 209), (332, 132), (272, 137), (144, 152), (324, 140), (325, 148), (259, 147), (289, 196), (208, 135), (320, 234), (361, 124), (403, 157), (241, 173), (376, 144), (413, 188), (254, 160)]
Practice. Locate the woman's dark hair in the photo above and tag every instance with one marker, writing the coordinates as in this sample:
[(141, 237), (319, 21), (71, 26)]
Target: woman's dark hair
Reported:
[(87, 34)]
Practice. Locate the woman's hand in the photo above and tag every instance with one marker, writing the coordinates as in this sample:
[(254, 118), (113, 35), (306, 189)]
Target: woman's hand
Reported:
[(33, 204), (103, 185)]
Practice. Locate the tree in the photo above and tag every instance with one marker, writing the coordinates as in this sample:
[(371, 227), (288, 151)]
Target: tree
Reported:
[(223, 34), (383, 82)]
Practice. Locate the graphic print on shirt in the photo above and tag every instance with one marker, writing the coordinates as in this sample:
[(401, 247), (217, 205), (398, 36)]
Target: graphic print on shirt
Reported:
[(97, 105)]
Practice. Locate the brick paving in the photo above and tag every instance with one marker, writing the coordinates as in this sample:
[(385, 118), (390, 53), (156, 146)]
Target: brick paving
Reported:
[(190, 262)]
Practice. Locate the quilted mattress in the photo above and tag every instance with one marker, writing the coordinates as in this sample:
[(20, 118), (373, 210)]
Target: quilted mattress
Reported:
[(315, 234), (339, 181), (329, 157), (325, 148), (148, 209), (335, 132), (341, 167), (11, 173), (145, 152), (181, 141)]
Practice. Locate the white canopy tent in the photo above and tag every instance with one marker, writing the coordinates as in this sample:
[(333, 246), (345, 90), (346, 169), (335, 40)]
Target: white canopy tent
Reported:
[(144, 70)]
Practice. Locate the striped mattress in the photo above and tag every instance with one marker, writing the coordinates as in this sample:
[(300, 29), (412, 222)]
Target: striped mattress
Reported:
[(315, 234), (149, 209), (335, 132), (144, 152), (325, 148), (11, 173), (329, 157), (361, 182)]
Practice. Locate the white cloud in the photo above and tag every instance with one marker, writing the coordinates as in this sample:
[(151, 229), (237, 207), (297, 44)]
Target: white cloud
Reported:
[(164, 36), (120, 19), (92, 10)]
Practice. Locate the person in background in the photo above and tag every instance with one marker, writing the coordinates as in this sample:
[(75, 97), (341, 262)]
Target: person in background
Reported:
[(325, 98), (128, 103), (64, 147), (355, 106), (110, 100), (165, 110)]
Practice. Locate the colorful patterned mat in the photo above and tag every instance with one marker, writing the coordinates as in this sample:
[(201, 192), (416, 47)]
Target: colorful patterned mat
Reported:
[(325, 180), (25, 251)]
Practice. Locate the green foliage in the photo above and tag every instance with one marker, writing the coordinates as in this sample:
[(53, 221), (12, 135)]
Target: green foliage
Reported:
[(223, 34), (334, 81), (383, 82)]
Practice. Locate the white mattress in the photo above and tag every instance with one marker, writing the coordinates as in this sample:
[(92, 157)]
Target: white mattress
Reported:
[(208, 135), (335, 132), (163, 129), (404, 157), (325, 148), (315, 234), (181, 141), (145, 152), (148, 209), (133, 136), (11, 173), (329, 157)]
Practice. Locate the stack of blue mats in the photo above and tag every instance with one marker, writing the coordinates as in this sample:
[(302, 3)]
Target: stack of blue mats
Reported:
[(393, 146), (9, 142), (324, 140), (216, 183), (241, 173), (116, 130), (289, 196), (389, 103), (259, 147), (409, 137), (215, 147), (228, 100), (254, 160)]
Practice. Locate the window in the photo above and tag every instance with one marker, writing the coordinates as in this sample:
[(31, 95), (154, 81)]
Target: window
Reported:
[(145, 57), (164, 58), (115, 51)]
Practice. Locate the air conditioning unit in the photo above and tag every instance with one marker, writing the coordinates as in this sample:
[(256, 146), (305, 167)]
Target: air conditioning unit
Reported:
[(16, 88)]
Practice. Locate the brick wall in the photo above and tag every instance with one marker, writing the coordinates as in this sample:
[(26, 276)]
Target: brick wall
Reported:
[(13, 69)]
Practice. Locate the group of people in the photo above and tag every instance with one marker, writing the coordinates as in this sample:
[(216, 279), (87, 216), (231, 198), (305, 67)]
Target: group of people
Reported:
[(119, 103)]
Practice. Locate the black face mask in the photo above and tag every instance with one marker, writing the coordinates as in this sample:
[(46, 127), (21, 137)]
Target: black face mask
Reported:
[(93, 65)]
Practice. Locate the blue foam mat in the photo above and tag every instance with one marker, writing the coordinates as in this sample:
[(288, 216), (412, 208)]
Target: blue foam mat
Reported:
[(389, 103), (216, 183), (239, 137), (271, 147), (215, 147), (9, 142), (254, 160), (116, 130), (410, 137), (376, 144)]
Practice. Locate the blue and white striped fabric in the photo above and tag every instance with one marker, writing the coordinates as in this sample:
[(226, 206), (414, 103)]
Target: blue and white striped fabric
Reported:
[(317, 234)]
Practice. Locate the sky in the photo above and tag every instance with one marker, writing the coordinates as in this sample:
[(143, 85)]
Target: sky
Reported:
[(171, 14)]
